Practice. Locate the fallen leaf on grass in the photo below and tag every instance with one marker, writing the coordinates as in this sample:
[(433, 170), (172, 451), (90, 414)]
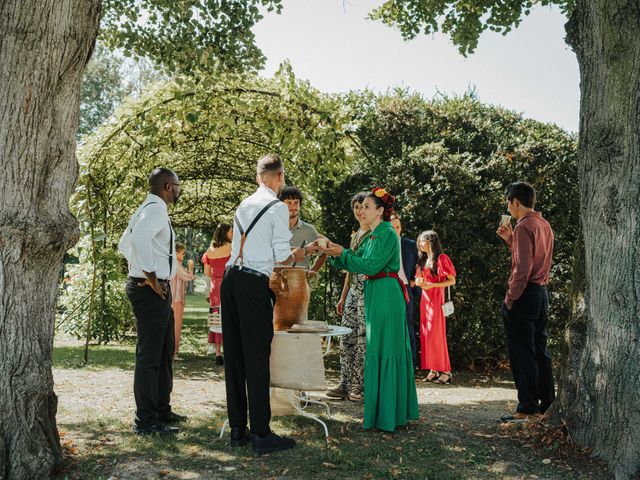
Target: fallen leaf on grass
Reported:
[(164, 472), (285, 471), (329, 465), (546, 461)]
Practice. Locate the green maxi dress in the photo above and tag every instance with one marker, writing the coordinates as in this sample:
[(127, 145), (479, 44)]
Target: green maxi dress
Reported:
[(390, 398)]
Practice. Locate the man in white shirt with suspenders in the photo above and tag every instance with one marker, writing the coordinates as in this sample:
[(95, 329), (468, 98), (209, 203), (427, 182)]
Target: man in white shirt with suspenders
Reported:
[(261, 237), (148, 244)]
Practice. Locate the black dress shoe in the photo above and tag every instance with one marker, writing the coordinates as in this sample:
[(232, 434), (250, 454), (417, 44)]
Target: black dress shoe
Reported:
[(239, 437), (272, 443), (156, 428), (172, 417)]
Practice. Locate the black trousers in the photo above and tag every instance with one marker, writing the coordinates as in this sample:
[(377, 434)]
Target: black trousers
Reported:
[(153, 377), (525, 326), (410, 324), (247, 327)]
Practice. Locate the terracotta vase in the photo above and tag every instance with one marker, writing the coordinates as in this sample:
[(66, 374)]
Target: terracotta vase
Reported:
[(292, 289)]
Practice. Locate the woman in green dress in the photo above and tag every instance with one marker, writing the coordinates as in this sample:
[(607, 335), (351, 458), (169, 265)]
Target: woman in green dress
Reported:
[(390, 398)]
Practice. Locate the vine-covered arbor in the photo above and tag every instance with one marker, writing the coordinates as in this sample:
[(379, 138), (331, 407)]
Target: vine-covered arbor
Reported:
[(210, 131)]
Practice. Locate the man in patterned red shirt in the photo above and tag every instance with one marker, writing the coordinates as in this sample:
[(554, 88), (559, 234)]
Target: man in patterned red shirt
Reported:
[(526, 303)]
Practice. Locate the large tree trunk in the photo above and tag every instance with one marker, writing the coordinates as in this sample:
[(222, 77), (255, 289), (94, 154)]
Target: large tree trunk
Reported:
[(44, 47), (599, 396)]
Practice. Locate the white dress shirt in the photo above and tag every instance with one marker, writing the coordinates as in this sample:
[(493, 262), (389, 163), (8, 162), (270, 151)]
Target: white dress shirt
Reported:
[(149, 239), (269, 240)]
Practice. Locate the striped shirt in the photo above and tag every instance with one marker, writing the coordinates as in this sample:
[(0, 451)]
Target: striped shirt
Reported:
[(531, 251)]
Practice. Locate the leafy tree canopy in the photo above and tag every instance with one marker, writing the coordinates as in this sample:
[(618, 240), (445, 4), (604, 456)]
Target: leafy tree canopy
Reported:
[(187, 35), (462, 20), (211, 131)]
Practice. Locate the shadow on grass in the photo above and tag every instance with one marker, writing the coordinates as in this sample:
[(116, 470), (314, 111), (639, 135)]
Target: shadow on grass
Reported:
[(107, 447), (442, 445)]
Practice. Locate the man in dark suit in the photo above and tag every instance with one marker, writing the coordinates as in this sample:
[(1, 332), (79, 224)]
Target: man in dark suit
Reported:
[(407, 273)]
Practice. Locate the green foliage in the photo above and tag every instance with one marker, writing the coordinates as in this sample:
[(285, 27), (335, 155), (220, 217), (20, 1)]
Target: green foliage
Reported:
[(210, 130), (101, 91), (108, 79), (101, 299), (187, 35), (448, 162), (462, 20)]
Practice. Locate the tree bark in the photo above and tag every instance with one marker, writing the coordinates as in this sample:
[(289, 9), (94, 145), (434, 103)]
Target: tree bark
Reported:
[(44, 47), (599, 397)]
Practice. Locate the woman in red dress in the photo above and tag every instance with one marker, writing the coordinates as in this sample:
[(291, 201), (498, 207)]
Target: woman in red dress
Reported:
[(215, 260), (434, 273)]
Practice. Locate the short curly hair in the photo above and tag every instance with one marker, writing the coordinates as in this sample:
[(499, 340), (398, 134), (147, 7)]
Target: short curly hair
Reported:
[(291, 193)]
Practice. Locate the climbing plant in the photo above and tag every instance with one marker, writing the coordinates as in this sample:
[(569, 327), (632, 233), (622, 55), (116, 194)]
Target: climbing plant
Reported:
[(210, 130)]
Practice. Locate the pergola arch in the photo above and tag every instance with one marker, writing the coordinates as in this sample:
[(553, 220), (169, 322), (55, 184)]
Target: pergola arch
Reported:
[(210, 131)]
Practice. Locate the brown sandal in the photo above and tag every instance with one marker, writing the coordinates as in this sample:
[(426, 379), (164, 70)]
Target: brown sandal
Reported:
[(338, 392), (432, 376), (356, 397), (444, 382)]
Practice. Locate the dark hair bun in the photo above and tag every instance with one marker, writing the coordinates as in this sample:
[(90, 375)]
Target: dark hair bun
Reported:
[(385, 200)]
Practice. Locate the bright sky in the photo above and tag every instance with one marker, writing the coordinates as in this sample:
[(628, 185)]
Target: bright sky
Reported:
[(331, 44)]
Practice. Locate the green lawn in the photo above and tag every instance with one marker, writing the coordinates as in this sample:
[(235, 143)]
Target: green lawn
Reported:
[(444, 444)]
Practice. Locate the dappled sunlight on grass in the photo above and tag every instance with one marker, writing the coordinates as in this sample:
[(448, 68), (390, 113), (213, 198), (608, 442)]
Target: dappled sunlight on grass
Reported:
[(456, 437)]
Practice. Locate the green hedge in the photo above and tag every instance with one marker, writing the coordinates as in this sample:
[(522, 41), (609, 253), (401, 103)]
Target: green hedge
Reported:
[(448, 162)]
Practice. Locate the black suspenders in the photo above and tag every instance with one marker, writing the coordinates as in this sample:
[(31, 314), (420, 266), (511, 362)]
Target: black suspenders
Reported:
[(244, 233)]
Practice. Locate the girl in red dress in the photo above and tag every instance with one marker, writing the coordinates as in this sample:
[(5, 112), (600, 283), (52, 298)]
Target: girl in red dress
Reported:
[(434, 273), (215, 260)]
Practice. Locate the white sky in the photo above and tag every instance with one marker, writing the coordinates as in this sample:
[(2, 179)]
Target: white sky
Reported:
[(331, 44)]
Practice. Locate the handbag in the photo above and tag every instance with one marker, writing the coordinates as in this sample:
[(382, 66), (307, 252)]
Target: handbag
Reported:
[(447, 307)]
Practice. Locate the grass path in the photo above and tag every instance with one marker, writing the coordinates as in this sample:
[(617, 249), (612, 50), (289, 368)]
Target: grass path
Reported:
[(457, 436)]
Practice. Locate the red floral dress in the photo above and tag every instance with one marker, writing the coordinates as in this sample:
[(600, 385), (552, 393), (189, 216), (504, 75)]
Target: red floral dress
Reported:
[(217, 266), (434, 353)]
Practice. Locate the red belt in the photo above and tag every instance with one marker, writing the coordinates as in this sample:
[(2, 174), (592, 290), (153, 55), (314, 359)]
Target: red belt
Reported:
[(392, 275)]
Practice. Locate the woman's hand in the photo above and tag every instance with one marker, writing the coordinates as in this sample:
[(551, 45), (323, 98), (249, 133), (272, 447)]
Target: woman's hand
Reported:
[(333, 249), (340, 307)]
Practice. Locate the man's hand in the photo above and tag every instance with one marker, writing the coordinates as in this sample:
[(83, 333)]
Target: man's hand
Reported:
[(152, 281), (505, 232), (312, 247), (298, 254)]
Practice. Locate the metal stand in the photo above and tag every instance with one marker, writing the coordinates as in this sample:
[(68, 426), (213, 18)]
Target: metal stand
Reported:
[(300, 400), (224, 427), (297, 399)]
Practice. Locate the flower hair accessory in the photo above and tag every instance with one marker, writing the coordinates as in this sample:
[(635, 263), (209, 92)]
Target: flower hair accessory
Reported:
[(383, 195)]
